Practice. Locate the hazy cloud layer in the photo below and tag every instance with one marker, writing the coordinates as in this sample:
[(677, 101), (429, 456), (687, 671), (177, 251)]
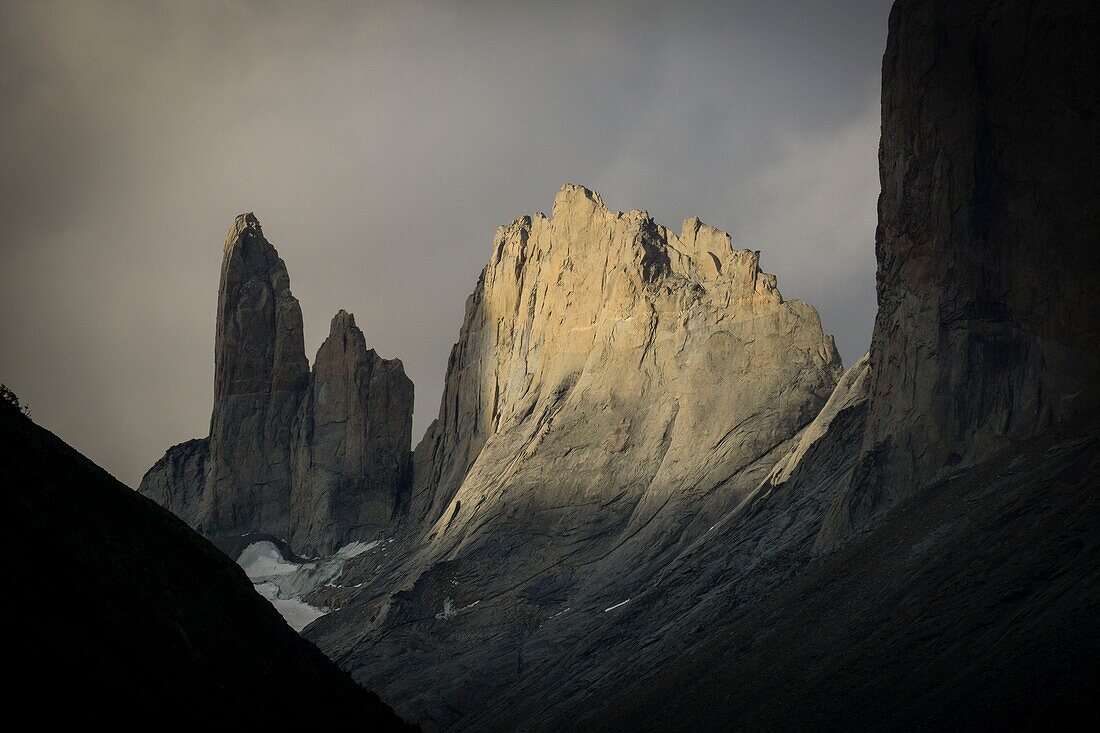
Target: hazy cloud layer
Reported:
[(380, 145)]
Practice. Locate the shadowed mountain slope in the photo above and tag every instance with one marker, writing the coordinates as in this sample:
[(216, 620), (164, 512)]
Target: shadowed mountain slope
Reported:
[(127, 616), (974, 605)]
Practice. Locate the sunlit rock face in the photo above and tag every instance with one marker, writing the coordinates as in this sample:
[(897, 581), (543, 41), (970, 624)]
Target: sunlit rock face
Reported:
[(989, 269), (637, 359), (317, 458), (616, 388)]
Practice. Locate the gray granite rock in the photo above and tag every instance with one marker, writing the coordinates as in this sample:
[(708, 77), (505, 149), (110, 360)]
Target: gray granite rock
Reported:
[(616, 389), (315, 459), (989, 264), (177, 480), (352, 443), (260, 377)]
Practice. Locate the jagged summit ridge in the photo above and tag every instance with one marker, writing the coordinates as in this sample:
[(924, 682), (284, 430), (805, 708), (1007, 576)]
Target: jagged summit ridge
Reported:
[(342, 322), (243, 224), (700, 252)]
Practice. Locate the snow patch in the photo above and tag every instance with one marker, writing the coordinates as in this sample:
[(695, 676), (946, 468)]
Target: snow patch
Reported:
[(263, 560), (285, 582), (355, 549), (298, 613), (449, 611), (620, 603)]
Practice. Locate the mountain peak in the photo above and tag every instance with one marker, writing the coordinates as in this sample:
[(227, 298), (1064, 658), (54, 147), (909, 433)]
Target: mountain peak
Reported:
[(602, 299), (243, 224), (341, 322), (573, 196)]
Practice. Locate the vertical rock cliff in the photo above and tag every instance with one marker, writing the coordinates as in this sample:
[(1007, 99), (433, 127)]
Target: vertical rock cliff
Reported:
[(989, 269), (260, 376), (352, 442), (315, 458)]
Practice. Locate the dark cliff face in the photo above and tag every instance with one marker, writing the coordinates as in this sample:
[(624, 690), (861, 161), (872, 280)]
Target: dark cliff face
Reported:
[(177, 480), (128, 617), (352, 442), (989, 226), (260, 376), (315, 458)]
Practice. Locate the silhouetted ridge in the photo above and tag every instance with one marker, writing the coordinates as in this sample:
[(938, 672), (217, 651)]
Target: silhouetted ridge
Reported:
[(124, 616)]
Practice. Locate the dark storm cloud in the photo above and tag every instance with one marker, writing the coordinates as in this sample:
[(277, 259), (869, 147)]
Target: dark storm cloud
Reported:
[(380, 145)]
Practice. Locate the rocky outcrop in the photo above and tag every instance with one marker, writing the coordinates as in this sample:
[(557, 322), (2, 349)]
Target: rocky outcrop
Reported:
[(644, 356), (316, 459), (989, 270), (352, 442), (615, 390), (260, 376), (131, 617), (177, 480)]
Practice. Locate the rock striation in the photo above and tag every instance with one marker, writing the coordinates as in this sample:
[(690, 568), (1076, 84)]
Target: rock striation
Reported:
[(315, 458)]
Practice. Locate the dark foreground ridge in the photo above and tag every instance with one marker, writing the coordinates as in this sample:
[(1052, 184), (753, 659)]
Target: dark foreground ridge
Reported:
[(127, 615)]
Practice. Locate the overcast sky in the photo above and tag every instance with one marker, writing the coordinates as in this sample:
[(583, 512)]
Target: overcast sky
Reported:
[(380, 145)]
